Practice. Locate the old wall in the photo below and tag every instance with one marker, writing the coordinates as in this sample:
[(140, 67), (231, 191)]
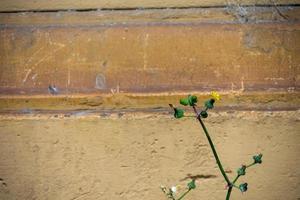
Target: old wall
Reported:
[(128, 156), (231, 48), (109, 133)]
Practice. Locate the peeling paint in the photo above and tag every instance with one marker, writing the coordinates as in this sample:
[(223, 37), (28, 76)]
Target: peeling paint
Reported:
[(100, 82), (34, 76), (26, 76)]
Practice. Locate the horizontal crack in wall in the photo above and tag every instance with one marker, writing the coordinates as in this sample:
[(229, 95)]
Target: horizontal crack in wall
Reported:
[(147, 8)]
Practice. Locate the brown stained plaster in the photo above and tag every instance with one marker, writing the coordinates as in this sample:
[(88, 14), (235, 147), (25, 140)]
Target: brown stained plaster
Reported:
[(254, 42)]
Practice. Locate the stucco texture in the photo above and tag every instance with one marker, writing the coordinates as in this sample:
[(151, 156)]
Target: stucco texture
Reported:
[(128, 156)]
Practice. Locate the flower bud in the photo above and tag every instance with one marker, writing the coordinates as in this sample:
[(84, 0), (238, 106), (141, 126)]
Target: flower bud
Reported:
[(242, 170), (243, 187), (203, 114), (178, 113), (209, 104), (192, 100), (257, 158), (191, 185), (184, 101)]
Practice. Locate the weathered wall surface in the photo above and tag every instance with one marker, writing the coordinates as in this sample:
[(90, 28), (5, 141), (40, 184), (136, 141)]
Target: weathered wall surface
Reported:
[(125, 157), (117, 65), (20, 5), (156, 50)]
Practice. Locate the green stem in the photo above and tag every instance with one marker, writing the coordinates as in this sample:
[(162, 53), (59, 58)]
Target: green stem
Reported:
[(236, 178), (236, 186), (228, 193), (250, 165), (183, 195), (231, 186), (213, 148)]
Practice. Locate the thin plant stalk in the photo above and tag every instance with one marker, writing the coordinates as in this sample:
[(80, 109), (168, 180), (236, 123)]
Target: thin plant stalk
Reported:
[(213, 148), (228, 192), (183, 195), (192, 100)]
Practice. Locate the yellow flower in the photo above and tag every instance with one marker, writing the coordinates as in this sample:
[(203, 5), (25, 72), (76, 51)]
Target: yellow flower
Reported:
[(215, 95)]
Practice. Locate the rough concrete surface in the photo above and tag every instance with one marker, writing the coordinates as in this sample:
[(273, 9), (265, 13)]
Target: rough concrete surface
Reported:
[(256, 57), (107, 132), (155, 50), (129, 156)]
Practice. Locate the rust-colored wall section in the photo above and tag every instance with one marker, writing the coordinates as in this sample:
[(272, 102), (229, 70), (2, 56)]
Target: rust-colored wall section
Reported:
[(230, 53)]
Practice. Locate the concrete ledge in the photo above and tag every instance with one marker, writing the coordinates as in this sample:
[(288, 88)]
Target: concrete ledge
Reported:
[(144, 103)]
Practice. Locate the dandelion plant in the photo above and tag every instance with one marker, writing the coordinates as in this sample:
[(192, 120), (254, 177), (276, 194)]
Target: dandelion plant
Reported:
[(192, 101)]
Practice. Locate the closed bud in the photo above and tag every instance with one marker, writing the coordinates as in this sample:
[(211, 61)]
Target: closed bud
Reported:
[(209, 104), (192, 185), (257, 158), (192, 100), (178, 113), (242, 170), (184, 101), (203, 114), (243, 187)]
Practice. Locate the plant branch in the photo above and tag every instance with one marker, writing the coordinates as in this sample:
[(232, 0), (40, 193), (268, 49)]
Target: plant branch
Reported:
[(236, 178), (183, 195), (212, 148), (228, 193), (250, 165)]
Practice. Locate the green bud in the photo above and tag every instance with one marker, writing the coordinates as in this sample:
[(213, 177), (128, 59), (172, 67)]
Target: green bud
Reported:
[(209, 104), (203, 114), (191, 185), (242, 170), (192, 100), (257, 158), (178, 113), (184, 101), (243, 187)]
